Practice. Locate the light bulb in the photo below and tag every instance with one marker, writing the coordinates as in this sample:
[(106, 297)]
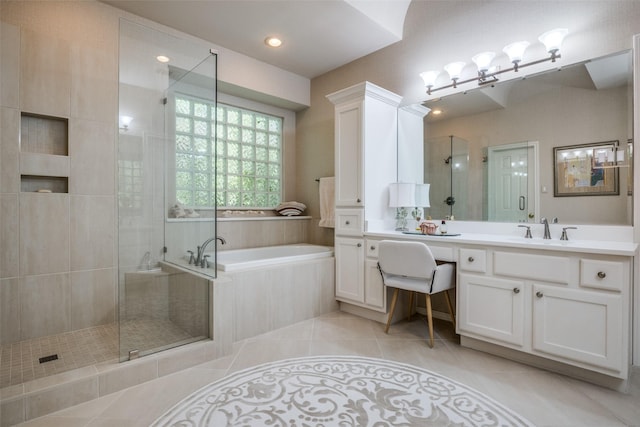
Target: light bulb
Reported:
[(429, 77), (552, 40), (454, 69), (483, 61), (515, 51)]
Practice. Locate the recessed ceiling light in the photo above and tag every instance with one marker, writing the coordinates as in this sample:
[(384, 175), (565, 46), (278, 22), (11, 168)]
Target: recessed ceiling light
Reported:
[(436, 112), (273, 41), (162, 58)]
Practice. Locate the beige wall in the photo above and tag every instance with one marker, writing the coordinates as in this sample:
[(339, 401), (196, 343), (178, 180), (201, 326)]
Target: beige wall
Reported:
[(437, 33)]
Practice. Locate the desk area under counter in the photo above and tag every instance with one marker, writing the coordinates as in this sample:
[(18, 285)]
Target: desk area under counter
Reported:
[(561, 305)]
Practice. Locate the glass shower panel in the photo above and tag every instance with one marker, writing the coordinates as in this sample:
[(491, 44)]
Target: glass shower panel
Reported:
[(459, 178), (190, 111), (446, 168), (161, 304)]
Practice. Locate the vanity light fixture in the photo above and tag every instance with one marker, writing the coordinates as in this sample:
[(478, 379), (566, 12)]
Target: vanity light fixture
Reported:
[(552, 41)]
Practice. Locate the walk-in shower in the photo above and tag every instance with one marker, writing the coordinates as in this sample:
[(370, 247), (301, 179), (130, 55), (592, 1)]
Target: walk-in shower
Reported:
[(166, 159), (65, 306)]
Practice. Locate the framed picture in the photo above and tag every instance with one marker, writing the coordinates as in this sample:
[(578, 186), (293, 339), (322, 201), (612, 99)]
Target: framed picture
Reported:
[(586, 170)]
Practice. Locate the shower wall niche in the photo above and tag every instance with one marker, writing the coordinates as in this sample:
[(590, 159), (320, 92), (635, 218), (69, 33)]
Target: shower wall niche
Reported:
[(44, 154)]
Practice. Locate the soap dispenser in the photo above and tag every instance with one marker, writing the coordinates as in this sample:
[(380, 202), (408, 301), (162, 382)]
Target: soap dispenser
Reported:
[(443, 227)]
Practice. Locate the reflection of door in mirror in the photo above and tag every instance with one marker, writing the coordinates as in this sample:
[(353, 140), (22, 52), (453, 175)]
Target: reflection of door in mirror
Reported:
[(512, 175), (446, 166)]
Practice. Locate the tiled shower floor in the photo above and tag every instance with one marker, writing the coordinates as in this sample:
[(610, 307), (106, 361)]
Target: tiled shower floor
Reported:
[(19, 362)]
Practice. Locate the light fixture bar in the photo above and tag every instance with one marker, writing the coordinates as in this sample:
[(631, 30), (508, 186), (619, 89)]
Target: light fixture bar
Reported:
[(486, 78), (551, 39)]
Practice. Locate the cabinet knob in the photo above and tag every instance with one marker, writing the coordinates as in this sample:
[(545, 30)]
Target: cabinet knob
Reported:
[(470, 259), (373, 248), (358, 200), (347, 222), (539, 294), (516, 290), (602, 274), (359, 245)]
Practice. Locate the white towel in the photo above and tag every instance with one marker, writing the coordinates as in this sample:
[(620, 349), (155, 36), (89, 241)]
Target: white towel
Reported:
[(327, 202)]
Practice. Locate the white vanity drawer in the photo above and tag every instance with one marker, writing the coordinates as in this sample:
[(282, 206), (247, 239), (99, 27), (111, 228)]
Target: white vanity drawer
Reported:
[(473, 260), (349, 221), (442, 253), (371, 248), (536, 267), (602, 274)]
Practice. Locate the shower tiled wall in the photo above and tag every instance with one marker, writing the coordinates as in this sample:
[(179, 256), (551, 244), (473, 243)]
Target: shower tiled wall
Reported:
[(57, 250)]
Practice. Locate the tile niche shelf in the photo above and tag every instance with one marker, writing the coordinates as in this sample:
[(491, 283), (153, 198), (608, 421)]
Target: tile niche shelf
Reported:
[(44, 149)]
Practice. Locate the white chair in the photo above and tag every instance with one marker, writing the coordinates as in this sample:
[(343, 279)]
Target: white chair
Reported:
[(411, 266)]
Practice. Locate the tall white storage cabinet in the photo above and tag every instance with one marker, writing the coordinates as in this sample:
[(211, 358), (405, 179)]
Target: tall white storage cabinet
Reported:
[(366, 135)]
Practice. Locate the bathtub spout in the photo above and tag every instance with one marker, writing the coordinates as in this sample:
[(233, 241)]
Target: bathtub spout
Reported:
[(200, 257)]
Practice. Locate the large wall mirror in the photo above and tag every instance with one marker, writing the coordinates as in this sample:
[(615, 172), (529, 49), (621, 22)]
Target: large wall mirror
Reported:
[(555, 144)]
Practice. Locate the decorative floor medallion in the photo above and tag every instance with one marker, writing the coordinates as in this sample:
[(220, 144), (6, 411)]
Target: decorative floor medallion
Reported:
[(338, 391)]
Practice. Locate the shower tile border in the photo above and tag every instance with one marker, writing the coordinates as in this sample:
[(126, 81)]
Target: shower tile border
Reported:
[(39, 397)]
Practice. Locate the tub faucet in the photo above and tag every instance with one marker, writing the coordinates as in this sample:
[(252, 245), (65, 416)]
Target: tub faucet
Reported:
[(200, 260), (547, 234)]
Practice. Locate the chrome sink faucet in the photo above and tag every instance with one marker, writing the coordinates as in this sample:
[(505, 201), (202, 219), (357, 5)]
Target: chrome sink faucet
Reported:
[(200, 258), (547, 233)]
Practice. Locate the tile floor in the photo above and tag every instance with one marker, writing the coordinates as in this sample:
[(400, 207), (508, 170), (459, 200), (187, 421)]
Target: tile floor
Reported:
[(545, 398), (19, 362)]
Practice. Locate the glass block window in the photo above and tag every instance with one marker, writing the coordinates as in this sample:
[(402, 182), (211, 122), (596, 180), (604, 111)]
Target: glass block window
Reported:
[(130, 181), (241, 158)]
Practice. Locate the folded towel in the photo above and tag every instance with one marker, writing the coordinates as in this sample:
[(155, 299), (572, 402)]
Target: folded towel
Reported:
[(290, 208), (179, 211), (327, 191)]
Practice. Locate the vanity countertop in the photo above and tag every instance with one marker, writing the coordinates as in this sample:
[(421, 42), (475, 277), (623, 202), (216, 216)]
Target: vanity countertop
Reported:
[(602, 247)]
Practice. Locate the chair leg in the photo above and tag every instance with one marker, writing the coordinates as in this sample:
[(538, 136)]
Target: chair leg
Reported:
[(394, 299), (453, 316), (411, 295), (430, 320)]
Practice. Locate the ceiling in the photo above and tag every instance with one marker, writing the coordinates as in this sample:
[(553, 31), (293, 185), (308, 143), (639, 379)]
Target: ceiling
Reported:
[(318, 35)]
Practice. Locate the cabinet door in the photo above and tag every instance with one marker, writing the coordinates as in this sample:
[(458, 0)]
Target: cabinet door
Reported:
[(491, 308), (374, 293), (348, 152), (580, 326), (349, 255)]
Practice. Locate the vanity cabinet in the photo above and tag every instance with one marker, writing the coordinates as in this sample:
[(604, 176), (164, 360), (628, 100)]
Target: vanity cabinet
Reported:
[(358, 280), (366, 127), (492, 308), (375, 296), (366, 135), (581, 326), (570, 307), (349, 253)]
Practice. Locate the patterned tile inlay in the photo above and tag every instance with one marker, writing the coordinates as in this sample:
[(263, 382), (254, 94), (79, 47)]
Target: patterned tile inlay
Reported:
[(334, 390), (19, 362)]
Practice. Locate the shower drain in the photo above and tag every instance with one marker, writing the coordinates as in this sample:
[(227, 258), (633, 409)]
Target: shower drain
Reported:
[(46, 359)]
